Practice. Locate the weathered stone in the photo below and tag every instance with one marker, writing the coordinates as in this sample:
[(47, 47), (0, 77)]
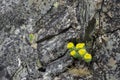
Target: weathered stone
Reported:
[(46, 58), (59, 65)]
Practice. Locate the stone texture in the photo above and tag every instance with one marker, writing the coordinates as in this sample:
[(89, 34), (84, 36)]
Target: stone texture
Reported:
[(95, 22)]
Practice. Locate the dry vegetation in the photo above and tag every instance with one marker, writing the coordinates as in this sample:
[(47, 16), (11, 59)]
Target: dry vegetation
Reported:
[(79, 71)]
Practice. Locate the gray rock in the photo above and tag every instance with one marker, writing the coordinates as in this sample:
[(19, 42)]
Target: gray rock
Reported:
[(59, 65), (46, 57)]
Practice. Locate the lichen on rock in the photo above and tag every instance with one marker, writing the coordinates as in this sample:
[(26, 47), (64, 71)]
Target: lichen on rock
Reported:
[(54, 23)]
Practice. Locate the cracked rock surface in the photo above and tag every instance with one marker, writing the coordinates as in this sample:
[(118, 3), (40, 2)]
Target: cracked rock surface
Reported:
[(34, 35)]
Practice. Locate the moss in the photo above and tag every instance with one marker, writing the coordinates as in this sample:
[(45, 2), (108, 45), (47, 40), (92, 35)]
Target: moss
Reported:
[(31, 37), (39, 65), (56, 4)]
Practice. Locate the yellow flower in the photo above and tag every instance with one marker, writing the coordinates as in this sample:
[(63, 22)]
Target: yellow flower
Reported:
[(82, 52), (70, 45), (87, 57), (80, 45), (73, 53)]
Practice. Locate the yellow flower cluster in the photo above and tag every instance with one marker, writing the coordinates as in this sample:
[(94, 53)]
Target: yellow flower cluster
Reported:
[(79, 51)]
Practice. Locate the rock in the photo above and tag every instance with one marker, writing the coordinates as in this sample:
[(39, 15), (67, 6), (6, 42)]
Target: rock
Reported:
[(107, 44), (52, 24), (60, 65)]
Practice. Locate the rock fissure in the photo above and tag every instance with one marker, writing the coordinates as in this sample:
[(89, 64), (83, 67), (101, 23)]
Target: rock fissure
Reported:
[(52, 36)]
